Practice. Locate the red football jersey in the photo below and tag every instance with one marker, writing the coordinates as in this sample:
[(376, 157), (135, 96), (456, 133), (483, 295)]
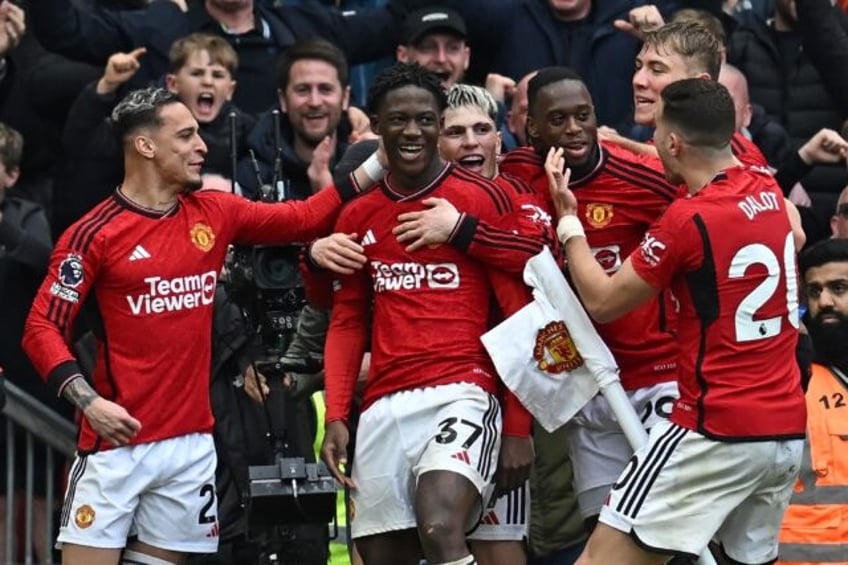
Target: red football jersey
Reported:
[(729, 256), (617, 202), (430, 307), (747, 151), (152, 277)]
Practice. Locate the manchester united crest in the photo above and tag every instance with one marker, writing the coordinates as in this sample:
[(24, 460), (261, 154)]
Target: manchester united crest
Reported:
[(84, 516), (555, 351), (202, 236), (598, 214)]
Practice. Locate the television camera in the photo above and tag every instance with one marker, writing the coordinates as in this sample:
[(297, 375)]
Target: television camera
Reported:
[(266, 283)]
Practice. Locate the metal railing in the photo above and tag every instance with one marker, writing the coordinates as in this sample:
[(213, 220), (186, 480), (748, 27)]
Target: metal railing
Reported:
[(43, 429)]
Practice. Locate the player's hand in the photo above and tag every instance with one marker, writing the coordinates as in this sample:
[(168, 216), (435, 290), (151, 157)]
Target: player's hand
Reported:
[(826, 146), (12, 27), (181, 4), (334, 450), (319, 167), (338, 252), (500, 87), (111, 421), (119, 69), (514, 463), (431, 227), (640, 21), (558, 176)]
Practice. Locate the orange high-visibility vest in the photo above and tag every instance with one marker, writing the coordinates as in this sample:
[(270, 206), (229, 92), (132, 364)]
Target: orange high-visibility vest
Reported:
[(815, 527)]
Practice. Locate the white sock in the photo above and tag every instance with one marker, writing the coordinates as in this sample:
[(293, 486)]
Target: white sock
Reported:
[(467, 560), (131, 557)]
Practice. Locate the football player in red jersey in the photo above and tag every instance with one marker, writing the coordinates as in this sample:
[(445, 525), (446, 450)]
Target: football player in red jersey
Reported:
[(725, 463), (470, 139), (147, 260), (430, 429)]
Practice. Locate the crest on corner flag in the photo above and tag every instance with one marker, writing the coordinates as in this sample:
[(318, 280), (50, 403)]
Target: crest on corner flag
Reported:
[(549, 353)]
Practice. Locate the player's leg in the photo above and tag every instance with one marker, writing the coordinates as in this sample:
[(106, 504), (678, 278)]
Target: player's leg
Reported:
[(138, 553), (455, 470), (499, 552), (73, 554), (444, 503), (608, 545), (400, 547), (749, 536), (499, 538)]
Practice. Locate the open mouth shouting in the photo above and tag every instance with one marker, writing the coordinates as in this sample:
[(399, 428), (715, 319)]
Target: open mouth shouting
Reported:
[(472, 163)]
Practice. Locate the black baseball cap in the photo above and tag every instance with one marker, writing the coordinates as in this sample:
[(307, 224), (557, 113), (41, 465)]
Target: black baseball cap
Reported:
[(427, 20)]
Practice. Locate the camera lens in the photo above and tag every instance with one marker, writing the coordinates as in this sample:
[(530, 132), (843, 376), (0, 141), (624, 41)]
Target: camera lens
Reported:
[(276, 267)]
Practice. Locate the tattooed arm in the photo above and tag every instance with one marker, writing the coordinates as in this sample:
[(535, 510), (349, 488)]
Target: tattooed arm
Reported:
[(111, 421)]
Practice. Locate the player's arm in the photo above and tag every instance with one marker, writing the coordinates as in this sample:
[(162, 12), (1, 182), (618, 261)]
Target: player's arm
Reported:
[(638, 147), (72, 272), (604, 297), (798, 234), (506, 239), (47, 330), (299, 220), (347, 337)]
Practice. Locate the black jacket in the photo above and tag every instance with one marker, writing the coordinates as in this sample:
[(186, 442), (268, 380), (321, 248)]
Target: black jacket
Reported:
[(94, 35), (782, 79), (825, 40), (261, 142), (785, 83), (25, 246)]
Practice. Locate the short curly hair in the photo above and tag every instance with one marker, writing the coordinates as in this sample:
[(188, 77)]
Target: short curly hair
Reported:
[(401, 75)]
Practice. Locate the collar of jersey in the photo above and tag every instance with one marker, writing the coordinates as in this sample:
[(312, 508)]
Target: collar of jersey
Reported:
[(399, 196), (128, 204)]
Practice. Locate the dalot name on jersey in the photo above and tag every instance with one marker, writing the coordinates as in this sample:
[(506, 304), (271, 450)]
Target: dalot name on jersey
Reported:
[(171, 295), (753, 205), (412, 276)]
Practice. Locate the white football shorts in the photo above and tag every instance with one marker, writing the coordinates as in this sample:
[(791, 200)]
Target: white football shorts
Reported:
[(162, 491), (454, 427), (682, 490)]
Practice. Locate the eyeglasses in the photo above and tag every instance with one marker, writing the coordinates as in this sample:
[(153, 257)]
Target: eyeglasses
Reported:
[(842, 210)]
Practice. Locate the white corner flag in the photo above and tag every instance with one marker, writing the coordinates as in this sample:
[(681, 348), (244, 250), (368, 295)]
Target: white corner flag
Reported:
[(549, 353)]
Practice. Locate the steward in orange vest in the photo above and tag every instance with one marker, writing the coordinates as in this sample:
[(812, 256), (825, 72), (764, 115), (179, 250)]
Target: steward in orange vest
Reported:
[(815, 527)]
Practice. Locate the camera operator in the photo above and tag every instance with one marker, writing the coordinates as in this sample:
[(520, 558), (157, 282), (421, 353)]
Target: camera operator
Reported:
[(292, 151)]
